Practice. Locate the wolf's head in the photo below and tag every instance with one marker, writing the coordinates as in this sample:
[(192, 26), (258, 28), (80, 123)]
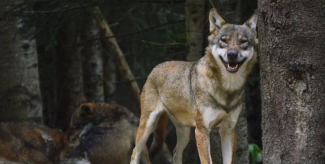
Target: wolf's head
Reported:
[(100, 114), (232, 45)]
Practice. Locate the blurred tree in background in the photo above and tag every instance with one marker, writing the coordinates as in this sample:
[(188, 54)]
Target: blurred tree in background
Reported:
[(20, 97)]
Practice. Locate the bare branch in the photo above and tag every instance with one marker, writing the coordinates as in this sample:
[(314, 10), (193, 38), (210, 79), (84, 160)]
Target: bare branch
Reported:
[(212, 4), (131, 33), (164, 45), (57, 10), (87, 5), (171, 1)]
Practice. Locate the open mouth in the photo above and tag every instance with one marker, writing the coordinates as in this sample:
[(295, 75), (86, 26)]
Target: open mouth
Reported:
[(232, 67)]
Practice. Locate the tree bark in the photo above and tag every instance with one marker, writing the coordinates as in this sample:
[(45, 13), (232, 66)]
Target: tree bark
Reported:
[(92, 63), (20, 97), (292, 37)]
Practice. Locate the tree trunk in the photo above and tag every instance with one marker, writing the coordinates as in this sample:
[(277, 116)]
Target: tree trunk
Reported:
[(20, 97), (195, 19), (69, 75), (92, 63), (109, 75), (292, 37), (194, 14), (46, 52), (47, 76)]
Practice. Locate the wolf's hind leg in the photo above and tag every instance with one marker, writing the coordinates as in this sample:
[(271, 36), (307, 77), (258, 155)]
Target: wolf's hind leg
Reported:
[(148, 123)]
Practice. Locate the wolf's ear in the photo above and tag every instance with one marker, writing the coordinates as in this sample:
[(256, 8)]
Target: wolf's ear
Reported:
[(86, 110), (251, 22), (82, 100), (215, 20)]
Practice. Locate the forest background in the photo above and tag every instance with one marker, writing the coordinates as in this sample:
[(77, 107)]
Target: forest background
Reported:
[(54, 51)]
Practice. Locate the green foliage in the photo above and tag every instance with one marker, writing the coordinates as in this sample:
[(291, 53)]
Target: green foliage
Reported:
[(255, 154)]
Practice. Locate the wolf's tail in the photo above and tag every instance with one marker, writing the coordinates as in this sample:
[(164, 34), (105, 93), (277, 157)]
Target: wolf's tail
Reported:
[(159, 136)]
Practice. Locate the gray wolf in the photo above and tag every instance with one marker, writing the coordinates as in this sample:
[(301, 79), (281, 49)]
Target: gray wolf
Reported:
[(204, 94), (105, 132)]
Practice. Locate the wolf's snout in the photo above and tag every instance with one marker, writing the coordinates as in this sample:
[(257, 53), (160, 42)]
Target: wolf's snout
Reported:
[(232, 54)]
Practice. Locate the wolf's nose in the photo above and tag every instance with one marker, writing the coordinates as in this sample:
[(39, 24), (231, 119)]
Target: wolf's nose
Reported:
[(232, 54)]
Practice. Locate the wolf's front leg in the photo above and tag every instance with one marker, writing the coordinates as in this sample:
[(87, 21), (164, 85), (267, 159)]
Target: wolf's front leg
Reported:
[(228, 135), (228, 142), (202, 136)]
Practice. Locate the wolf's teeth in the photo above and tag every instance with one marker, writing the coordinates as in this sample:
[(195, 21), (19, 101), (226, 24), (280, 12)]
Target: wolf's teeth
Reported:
[(232, 67)]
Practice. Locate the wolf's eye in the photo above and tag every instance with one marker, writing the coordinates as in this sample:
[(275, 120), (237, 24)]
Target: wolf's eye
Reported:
[(223, 39), (223, 42), (244, 44), (243, 41)]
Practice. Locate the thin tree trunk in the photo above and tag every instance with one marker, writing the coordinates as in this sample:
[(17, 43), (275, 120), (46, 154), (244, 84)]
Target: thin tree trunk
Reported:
[(20, 97), (47, 77), (109, 75), (92, 63), (292, 37), (46, 66), (194, 14), (195, 19), (69, 75)]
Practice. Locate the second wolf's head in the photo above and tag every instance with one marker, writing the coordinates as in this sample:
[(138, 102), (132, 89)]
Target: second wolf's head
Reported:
[(103, 132), (100, 114), (232, 45)]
